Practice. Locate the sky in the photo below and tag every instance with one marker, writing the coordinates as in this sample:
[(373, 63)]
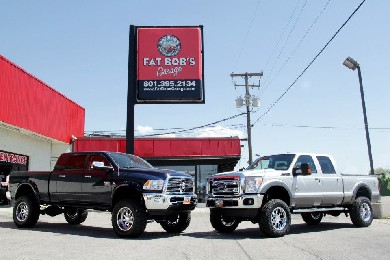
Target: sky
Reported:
[(80, 48)]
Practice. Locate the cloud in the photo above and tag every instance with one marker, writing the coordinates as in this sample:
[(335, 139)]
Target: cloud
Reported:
[(167, 135), (215, 131), (219, 131), (144, 130)]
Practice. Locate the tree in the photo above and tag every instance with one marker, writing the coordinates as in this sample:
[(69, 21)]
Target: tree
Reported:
[(384, 179)]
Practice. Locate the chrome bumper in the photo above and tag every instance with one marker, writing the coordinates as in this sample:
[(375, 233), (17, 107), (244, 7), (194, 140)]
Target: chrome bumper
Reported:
[(245, 201), (158, 201)]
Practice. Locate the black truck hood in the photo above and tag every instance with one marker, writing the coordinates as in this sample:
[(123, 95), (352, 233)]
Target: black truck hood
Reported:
[(153, 174)]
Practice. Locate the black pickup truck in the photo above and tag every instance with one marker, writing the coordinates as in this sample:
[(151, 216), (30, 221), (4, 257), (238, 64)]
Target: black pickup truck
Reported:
[(124, 184)]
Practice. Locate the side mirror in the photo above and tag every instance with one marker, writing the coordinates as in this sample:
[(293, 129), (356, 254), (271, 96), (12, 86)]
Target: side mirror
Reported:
[(304, 169), (100, 166)]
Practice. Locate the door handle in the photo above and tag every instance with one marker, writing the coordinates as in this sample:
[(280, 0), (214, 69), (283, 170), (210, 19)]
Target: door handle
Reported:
[(318, 179), (87, 176), (61, 176)]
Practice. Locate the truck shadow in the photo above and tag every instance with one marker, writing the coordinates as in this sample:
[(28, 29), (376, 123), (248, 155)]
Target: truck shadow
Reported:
[(64, 228), (255, 233), (108, 233)]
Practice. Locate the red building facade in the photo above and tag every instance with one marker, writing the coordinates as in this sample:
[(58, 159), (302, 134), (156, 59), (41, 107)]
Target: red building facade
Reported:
[(30, 104)]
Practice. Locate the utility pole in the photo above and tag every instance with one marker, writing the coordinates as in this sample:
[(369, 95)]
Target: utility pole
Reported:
[(248, 99)]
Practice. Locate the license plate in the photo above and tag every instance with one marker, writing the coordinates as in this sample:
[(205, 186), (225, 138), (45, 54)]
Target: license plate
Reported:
[(187, 200)]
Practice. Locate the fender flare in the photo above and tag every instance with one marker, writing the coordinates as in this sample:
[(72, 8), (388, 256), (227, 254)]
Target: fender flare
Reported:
[(29, 186), (126, 185), (358, 186), (276, 183)]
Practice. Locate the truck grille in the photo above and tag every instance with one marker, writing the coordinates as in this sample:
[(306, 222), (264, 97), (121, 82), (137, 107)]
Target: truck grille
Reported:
[(180, 185), (225, 186)]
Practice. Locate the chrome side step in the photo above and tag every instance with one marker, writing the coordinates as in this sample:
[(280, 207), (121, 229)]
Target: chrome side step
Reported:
[(319, 209)]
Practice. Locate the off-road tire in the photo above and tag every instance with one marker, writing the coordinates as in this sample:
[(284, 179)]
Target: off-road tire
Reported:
[(275, 218), (25, 212), (128, 218), (312, 218), (223, 224), (361, 212), (75, 216), (178, 224)]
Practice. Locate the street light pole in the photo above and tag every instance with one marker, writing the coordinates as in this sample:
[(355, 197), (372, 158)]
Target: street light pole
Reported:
[(352, 64), (365, 121)]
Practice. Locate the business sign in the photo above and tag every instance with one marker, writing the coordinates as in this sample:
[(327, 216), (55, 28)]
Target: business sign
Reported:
[(13, 158), (169, 65)]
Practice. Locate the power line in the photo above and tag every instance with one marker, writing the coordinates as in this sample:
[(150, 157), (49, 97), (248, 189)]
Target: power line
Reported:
[(288, 38), (322, 127), (308, 66), (247, 34), (281, 36), (296, 48)]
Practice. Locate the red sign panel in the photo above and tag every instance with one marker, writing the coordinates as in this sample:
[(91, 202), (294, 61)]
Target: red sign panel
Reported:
[(169, 65)]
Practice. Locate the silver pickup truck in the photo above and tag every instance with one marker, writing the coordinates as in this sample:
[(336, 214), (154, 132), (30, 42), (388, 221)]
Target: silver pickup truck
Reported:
[(275, 186)]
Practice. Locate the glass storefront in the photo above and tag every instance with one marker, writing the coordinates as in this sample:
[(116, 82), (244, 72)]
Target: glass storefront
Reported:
[(199, 172)]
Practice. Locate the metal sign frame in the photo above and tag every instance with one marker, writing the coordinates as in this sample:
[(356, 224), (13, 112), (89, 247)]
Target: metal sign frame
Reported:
[(168, 49)]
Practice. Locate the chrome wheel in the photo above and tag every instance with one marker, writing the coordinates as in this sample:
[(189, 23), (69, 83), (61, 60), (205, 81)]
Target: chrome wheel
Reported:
[(22, 212), (316, 215), (125, 219), (25, 212), (228, 223), (129, 218), (75, 216), (275, 218), (279, 218), (72, 214), (176, 224), (223, 224), (365, 211), (361, 212), (312, 218)]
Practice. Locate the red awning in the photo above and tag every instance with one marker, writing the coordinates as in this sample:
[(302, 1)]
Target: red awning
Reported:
[(165, 147)]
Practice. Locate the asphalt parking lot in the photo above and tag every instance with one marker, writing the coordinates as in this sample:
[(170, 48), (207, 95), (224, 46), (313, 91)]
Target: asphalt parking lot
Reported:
[(53, 238)]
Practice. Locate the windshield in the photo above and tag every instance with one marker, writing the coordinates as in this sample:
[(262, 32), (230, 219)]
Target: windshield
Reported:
[(276, 162), (126, 161)]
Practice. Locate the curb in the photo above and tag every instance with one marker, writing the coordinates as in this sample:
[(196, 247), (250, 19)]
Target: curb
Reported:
[(377, 210)]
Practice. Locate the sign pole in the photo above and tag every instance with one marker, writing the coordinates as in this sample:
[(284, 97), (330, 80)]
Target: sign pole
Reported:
[(131, 92)]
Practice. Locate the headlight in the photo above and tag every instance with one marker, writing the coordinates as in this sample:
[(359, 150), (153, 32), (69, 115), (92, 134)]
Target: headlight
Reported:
[(154, 185), (252, 184)]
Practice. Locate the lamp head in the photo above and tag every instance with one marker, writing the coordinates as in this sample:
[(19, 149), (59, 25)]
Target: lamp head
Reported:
[(351, 63)]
